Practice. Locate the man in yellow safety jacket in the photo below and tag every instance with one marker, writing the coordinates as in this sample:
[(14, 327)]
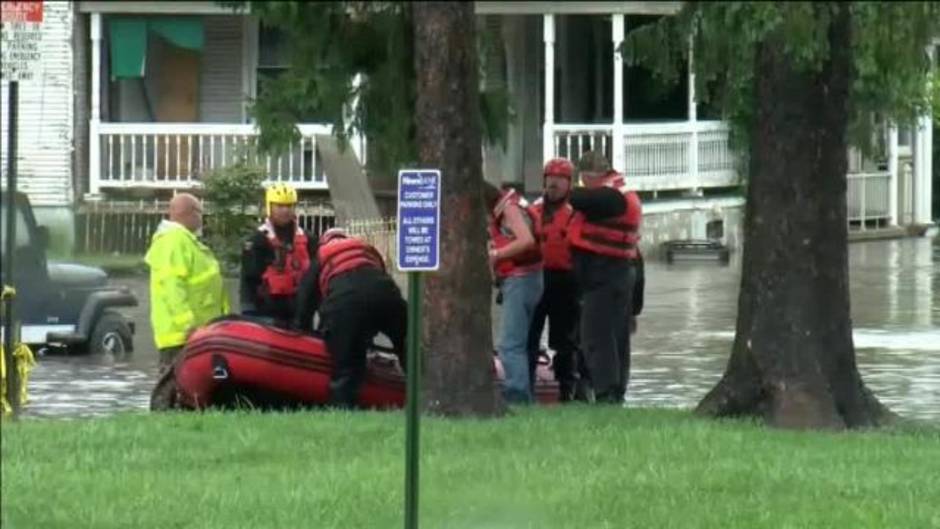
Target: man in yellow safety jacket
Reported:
[(186, 288)]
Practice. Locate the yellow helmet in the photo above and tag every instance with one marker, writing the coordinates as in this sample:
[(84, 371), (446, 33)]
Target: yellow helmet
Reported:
[(279, 194)]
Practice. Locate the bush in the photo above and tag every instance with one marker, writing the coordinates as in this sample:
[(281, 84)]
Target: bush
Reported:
[(233, 195)]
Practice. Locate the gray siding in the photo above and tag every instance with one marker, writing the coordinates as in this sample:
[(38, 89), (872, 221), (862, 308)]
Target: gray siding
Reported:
[(220, 88), (46, 108)]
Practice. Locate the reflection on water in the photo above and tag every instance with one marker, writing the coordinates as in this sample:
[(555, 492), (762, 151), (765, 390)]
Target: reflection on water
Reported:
[(688, 326), (680, 350)]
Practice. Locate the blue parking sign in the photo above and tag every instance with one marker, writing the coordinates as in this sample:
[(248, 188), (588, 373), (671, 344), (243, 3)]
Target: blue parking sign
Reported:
[(419, 220)]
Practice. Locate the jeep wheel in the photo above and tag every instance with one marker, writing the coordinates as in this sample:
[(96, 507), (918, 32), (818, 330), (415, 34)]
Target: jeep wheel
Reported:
[(111, 336)]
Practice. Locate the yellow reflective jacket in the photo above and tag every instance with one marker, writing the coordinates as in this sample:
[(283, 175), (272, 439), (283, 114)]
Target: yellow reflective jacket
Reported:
[(186, 288)]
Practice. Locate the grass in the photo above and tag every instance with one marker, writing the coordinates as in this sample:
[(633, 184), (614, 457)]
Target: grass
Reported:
[(572, 467)]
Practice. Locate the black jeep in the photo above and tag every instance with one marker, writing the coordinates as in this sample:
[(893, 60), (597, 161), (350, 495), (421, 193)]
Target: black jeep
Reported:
[(63, 305)]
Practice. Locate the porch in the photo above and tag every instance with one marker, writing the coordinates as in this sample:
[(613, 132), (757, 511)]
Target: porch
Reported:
[(168, 93), (562, 66)]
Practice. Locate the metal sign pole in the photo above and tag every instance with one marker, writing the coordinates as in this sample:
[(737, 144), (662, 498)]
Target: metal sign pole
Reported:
[(413, 386), (419, 235), (12, 381)]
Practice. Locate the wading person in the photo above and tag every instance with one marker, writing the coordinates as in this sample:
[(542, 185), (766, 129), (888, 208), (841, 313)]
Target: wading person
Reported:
[(186, 289), (516, 262), (604, 235), (559, 302)]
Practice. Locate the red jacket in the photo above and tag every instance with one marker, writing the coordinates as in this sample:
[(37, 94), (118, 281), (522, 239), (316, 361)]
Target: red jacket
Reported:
[(283, 275), (614, 237), (525, 262), (344, 255), (552, 234)]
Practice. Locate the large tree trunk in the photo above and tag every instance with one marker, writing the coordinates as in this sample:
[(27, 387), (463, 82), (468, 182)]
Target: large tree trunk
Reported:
[(457, 330), (793, 359)]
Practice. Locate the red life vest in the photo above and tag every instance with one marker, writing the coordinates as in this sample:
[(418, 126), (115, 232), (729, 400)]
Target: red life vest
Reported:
[(283, 275), (552, 234), (525, 262), (339, 256), (615, 237)]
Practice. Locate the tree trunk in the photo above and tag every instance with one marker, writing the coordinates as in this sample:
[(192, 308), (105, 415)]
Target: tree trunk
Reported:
[(793, 359), (457, 330)]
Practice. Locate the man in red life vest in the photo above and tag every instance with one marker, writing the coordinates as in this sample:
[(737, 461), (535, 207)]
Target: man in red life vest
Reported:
[(559, 303), (275, 259), (516, 262), (356, 299), (604, 236)]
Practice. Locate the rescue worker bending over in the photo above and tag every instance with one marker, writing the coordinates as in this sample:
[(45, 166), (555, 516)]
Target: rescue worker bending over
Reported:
[(516, 262), (356, 299), (604, 235), (559, 303), (275, 259)]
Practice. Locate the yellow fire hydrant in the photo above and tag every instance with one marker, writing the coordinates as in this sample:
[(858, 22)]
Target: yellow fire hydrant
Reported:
[(24, 361)]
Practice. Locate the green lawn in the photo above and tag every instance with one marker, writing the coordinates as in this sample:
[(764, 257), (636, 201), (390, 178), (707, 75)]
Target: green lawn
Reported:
[(577, 467)]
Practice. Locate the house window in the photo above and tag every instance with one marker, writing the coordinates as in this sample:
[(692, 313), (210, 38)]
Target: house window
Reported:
[(905, 137), (272, 55)]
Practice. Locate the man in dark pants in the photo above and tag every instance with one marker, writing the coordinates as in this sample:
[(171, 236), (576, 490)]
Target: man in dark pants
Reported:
[(559, 303), (359, 300), (604, 235), (275, 259)]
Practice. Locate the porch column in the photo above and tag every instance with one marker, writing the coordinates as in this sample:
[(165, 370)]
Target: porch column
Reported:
[(923, 164), (893, 175), (693, 126), (548, 128), (94, 141), (618, 143)]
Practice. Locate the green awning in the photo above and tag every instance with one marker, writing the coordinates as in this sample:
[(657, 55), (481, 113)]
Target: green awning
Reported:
[(128, 37)]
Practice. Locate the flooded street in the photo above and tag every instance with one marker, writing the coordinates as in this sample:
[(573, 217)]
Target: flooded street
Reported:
[(679, 351)]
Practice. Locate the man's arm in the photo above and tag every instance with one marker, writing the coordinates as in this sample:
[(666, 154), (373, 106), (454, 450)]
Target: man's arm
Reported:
[(598, 203), (255, 257), (639, 286), (308, 297), (170, 270)]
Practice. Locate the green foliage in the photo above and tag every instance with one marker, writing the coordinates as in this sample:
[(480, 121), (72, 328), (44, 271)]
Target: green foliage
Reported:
[(889, 39), (231, 194), (328, 43)]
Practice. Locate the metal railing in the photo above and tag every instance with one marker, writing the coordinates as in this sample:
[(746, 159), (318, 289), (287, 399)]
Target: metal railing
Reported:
[(178, 155), (658, 156), (868, 198)]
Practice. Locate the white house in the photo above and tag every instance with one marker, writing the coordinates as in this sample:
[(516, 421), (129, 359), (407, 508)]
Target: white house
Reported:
[(106, 120)]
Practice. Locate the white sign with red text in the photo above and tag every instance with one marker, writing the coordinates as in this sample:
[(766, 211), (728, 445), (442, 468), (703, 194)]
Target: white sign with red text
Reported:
[(21, 35)]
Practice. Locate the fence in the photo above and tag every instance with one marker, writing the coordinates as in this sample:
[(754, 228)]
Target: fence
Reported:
[(868, 199), (126, 227)]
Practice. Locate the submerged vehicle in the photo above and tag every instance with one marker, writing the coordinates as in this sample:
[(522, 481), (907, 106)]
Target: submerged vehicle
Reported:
[(63, 306)]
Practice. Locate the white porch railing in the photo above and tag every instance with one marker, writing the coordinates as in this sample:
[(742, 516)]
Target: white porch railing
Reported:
[(659, 156), (178, 155), (868, 197)]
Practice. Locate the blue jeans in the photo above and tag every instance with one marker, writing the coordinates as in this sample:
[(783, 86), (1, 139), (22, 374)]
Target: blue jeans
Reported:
[(521, 294)]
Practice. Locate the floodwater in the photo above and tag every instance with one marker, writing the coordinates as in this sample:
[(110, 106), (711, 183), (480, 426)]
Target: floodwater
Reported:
[(679, 351)]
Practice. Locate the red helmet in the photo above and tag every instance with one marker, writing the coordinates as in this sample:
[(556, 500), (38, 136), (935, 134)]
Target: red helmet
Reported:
[(559, 167), (333, 233)]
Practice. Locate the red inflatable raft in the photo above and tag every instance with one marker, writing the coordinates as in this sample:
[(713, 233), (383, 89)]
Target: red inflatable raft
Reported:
[(233, 361)]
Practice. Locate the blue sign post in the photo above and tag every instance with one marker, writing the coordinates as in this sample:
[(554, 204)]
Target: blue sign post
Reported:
[(419, 233)]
